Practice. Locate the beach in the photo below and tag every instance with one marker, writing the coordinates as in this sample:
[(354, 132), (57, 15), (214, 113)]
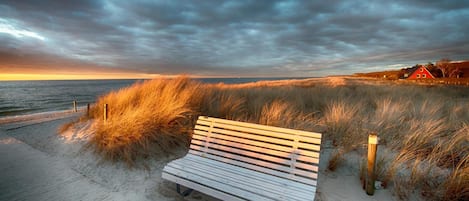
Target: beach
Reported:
[(36, 163), (261, 100), (67, 155), (99, 100)]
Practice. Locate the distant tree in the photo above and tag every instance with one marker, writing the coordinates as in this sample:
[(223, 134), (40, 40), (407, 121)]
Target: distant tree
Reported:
[(455, 72), (435, 71), (429, 65), (401, 73), (445, 66)]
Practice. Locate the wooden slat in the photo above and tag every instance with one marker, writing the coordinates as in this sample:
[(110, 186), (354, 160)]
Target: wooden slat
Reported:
[(268, 148), (246, 144), (260, 169), (260, 132), (253, 164), (199, 140), (209, 180), (305, 180), (200, 135), (309, 146), (262, 127), (243, 154), (218, 131), (251, 173), (240, 182), (239, 178), (199, 187)]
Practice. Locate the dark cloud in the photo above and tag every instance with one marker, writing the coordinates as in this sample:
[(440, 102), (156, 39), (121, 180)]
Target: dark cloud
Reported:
[(238, 37)]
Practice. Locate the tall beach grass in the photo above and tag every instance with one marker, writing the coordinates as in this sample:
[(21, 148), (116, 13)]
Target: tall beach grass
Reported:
[(147, 119)]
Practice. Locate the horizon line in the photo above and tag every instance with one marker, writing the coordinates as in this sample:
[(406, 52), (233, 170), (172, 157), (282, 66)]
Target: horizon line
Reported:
[(113, 76)]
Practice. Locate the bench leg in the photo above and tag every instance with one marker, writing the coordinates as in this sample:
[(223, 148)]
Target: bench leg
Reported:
[(185, 193)]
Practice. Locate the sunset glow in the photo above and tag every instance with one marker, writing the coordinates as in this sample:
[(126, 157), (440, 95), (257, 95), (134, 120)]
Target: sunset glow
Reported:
[(18, 76)]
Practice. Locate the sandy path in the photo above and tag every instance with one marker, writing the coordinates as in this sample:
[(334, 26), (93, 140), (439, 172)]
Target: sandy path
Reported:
[(36, 164), (27, 173)]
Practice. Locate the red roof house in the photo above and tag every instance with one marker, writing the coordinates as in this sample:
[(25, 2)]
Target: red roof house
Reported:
[(421, 73)]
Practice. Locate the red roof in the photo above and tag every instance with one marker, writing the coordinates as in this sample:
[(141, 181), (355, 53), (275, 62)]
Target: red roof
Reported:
[(421, 73)]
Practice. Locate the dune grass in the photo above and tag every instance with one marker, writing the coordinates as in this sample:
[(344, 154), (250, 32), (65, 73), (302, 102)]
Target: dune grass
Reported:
[(425, 127), (147, 119)]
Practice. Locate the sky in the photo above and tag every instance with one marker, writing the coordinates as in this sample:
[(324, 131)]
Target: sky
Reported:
[(239, 38)]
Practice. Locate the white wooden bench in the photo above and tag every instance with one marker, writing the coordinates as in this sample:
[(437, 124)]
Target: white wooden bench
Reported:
[(233, 160)]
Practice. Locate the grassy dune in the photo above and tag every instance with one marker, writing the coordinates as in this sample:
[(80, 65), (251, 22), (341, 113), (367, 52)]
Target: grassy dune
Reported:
[(425, 128), (147, 119)]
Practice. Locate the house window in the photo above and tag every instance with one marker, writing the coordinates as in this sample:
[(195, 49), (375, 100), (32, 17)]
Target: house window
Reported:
[(421, 69), (424, 76), (418, 75)]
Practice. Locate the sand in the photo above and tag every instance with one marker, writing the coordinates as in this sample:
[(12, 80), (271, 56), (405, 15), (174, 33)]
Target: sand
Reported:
[(38, 164)]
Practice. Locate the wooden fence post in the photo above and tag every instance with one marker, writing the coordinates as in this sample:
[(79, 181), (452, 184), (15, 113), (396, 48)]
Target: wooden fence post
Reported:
[(370, 179), (105, 112), (88, 110), (74, 106)]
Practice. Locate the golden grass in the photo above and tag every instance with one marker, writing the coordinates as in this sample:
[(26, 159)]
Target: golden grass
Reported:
[(425, 127), (456, 187), (146, 119), (343, 124)]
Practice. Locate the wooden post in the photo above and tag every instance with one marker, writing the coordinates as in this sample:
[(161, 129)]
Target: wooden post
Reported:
[(370, 178), (87, 109), (75, 106), (105, 112)]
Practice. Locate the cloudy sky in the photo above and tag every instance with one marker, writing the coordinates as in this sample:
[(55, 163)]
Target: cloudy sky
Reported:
[(229, 38)]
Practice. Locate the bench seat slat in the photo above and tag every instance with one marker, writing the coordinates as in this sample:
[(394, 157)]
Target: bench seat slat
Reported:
[(257, 162), (238, 179), (260, 127), (199, 187), (259, 168), (246, 183), (251, 173), (262, 184), (202, 135), (201, 141), (216, 184), (242, 154), (206, 126)]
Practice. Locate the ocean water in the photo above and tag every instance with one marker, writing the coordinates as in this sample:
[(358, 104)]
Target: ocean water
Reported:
[(27, 97)]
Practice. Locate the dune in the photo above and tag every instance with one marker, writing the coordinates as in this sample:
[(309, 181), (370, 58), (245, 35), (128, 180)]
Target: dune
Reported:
[(38, 164)]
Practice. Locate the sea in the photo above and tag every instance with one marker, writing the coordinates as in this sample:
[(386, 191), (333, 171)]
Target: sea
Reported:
[(28, 97)]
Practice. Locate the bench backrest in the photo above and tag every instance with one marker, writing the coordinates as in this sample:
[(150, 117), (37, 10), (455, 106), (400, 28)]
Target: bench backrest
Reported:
[(286, 153)]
